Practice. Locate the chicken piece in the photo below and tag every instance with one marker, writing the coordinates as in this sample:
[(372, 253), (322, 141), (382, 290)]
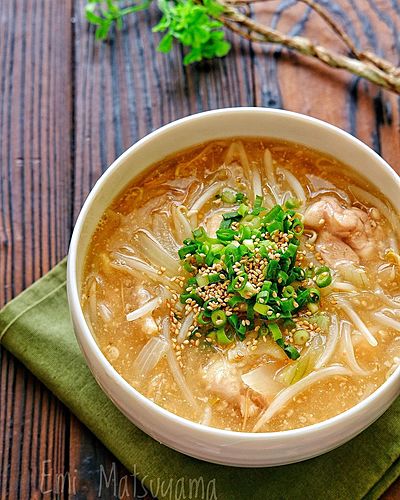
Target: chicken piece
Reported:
[(223, 379), (367, 236), (352, 225), (334, 250), (247, 406)]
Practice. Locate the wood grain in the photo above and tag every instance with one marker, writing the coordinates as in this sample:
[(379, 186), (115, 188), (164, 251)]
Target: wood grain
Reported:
[(35, 196), (69, 106)]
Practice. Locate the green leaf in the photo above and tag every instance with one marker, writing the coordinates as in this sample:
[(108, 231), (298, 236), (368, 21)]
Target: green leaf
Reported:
[(194, 55), (193, 24), (166, 43), (136, 8), (214, 9), (162, 25), (222, 48), (103, 30), (106, 13), (91, 16)]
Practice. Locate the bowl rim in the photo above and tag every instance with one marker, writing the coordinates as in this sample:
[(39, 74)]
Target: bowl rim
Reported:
[(84, 336)]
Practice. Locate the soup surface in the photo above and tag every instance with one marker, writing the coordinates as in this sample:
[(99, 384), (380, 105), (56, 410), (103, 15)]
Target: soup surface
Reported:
[(248, 284)]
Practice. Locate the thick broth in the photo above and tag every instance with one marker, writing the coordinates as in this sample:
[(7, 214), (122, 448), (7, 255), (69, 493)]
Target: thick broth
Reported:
[(112, 289)]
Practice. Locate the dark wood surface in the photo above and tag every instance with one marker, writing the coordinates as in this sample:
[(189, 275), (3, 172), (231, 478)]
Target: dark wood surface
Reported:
[(69, 106)]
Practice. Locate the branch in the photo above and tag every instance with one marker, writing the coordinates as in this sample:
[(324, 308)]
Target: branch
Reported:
[(320, 11), (364, 64)]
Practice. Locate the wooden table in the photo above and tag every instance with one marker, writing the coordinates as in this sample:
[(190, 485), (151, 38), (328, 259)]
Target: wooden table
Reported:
[(69, 106)]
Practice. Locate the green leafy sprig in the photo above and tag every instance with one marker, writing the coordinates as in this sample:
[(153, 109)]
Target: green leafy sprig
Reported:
[(193, 24), (105, 13)]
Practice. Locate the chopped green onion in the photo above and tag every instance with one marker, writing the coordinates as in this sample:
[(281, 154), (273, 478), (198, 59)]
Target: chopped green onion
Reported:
[(185, 296), (262, 309), (276, 225), (322, 269), (239, 282), (218, 318), (263, 296), (199, 233), (222, 338), (257, 206), (184, 251), (243, 210), (288, 306), (288, 291), (239, 327), (275, 331), (297, 227), (291, 251), (188, 267), (249, 244), (206, 306), (212, 335), (282, 277), (323, 279), (250, 312), (248, 290), (214, 278), (312, 307), (225, 224), (290, 351), (272, 270), (314, 294), (235, 300), (321, 320), (231, 215), (255, 222), (225, 234), (202, 280), (217, 249), (245, 233), (230, 259), (202, 319), (229, 195), (289, 324), (300, 337), (273, 214), (292, 203), (209, 259)]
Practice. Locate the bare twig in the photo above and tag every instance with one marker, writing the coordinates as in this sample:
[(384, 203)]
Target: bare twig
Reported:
[(241, 33), (365, 64), (320, 11), (361, 55)]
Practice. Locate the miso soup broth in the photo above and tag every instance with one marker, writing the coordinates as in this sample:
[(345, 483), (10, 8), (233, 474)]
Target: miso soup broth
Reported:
[(248, 284)]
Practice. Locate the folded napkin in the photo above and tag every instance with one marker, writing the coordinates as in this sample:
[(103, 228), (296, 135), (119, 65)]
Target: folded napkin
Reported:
[(36, 328)]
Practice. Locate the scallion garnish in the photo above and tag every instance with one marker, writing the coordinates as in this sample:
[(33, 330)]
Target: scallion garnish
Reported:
[(228, 195), (218, 318), (323, 277), (249, 277)]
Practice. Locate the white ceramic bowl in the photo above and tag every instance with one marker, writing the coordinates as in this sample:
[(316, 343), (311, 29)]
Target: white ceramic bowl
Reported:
[(207, 443)]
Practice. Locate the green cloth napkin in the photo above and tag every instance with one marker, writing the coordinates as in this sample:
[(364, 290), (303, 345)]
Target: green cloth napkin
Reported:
[(36, 328)]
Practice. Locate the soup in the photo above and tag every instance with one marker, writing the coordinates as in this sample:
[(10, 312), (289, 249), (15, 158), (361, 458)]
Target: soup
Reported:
[(248, 284)]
